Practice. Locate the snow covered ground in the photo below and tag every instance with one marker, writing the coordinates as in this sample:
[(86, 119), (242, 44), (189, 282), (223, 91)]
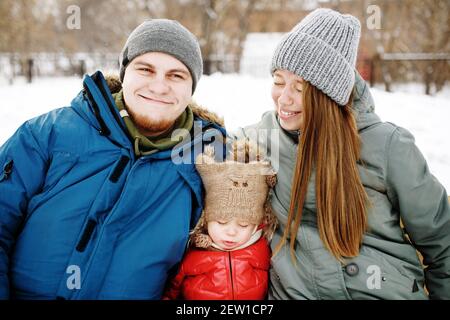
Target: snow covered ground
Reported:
[(241, 99)]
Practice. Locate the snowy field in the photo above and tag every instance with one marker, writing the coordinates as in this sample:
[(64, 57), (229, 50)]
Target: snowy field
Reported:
[(242, 99)]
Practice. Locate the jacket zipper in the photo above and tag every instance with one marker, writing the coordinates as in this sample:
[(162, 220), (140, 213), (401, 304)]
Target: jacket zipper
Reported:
[(7, 169), (90, 226), (101, 229), (231, 275)]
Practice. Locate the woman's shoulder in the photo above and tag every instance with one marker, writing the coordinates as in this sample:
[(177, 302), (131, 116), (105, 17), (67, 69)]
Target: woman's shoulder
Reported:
[(268, 121), (379, 133), (385, 133)]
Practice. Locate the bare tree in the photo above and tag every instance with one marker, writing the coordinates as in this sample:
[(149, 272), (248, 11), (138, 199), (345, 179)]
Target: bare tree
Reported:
[(244, 11), (223, 28), (213, 14), (6, 36), (24, 35), (410, 29), (420, 26), (432, 19)]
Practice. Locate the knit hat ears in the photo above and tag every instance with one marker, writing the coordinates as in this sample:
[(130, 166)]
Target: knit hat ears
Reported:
[(166, 36), (322, 49), (199, 237), (237, 187)]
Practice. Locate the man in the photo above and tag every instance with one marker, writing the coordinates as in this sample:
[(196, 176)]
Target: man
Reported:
[(92, 206)]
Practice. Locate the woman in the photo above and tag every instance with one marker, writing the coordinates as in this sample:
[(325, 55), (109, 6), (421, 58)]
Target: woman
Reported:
[(346, 179)]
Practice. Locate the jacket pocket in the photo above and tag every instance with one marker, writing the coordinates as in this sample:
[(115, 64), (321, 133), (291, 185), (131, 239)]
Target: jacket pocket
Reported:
[(371, 276), (288, 279)]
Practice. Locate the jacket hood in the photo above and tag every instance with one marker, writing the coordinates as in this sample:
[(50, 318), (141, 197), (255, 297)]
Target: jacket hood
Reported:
[(363, 104), (115, 86)]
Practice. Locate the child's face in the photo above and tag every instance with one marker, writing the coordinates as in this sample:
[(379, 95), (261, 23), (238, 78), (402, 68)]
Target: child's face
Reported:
[(230, 234)]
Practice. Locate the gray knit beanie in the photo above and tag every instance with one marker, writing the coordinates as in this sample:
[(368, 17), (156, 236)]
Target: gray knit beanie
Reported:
[(167, 36), (322, 50)]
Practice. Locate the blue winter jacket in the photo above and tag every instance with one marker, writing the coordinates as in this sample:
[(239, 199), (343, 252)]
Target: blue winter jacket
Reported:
[(81, 217)]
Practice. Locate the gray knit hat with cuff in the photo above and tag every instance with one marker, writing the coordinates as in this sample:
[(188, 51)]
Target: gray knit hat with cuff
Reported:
[(322, 49), (166, 36)]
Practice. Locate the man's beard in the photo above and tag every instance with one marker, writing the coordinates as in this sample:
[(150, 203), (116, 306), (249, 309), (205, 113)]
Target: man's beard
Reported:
[(147, 126)]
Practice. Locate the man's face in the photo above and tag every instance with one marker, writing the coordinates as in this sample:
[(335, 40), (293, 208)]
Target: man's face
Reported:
[(156, 88)]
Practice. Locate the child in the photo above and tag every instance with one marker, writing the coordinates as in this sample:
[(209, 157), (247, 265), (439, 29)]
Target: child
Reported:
[(229, 255)]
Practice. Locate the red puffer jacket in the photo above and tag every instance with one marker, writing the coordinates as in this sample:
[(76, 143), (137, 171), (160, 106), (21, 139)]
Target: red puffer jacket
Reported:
[(223, 275)]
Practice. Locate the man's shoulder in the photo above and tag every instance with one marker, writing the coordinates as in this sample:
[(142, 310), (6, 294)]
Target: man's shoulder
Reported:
[(61, 126), (59, 116), (203, 114)]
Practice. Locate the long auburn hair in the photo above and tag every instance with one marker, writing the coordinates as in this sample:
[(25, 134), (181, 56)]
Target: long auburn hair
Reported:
[(329, 144)]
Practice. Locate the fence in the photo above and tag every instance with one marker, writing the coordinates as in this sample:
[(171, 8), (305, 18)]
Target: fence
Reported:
[(33, 65)]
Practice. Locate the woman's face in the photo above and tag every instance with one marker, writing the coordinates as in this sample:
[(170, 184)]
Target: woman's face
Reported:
[(287, 95)]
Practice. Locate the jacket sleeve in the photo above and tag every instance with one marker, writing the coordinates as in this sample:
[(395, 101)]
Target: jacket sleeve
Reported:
[(173, 289), (23, 165), (424, 208)]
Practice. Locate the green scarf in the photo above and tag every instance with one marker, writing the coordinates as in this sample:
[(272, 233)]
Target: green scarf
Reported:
[(148, 145)]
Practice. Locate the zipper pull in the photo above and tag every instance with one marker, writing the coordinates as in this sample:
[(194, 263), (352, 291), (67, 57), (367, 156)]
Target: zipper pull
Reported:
[(7, 169)]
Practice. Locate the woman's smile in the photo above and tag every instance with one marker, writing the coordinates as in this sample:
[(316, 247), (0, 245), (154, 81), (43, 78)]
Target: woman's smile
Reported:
[(288, 115)]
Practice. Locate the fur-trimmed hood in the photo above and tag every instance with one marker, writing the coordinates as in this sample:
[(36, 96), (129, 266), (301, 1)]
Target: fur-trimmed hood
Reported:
[(115, 86)]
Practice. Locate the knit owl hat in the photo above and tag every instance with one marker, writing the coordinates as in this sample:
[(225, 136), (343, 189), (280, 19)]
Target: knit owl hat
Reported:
[(235, 188)]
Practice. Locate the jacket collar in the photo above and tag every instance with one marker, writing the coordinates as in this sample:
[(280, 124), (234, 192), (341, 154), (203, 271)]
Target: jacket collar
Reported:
[(255, 237)]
